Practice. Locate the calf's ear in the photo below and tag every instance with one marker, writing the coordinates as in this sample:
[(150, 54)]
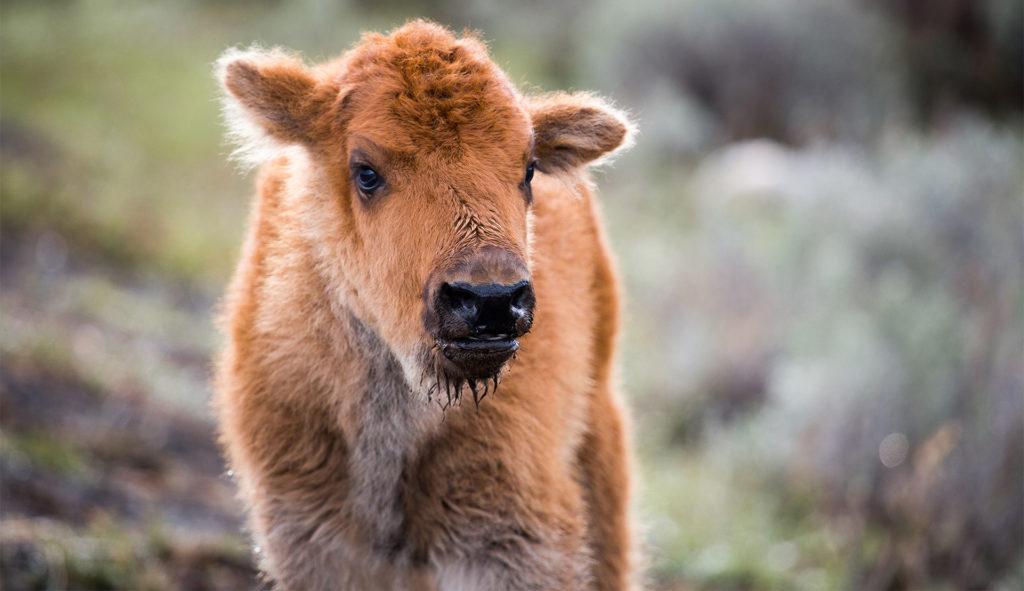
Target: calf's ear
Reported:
[(573, 130), (272, 99)]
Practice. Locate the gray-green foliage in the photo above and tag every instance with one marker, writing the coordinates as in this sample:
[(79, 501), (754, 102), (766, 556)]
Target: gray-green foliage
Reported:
[(877, 293)]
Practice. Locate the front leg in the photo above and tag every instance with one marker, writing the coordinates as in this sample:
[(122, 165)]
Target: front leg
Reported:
[(604, 465)]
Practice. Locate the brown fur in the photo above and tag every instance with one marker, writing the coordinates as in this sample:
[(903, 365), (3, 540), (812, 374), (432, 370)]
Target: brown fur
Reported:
[(354, 479)]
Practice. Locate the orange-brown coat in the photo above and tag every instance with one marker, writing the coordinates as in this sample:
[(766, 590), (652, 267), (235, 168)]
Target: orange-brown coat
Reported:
[(333, 390)]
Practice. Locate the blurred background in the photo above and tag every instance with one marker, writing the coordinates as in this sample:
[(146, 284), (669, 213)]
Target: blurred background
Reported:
[(821, 230)]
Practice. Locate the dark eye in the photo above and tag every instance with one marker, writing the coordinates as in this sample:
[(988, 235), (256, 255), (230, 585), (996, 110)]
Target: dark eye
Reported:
[(529, 173), (367, 179)]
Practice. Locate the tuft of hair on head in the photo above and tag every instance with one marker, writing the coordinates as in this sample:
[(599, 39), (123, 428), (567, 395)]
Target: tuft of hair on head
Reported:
[(269, 100), (577, 129)]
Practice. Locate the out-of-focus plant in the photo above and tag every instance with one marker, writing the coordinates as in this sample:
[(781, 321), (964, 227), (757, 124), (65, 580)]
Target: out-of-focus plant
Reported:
[(790, 70), (798, 71), (895, 387), (961, 53)]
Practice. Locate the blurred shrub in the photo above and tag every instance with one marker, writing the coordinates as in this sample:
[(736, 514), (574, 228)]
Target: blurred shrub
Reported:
[(790, 70), (798, 70), (895, 386), (961, 53)]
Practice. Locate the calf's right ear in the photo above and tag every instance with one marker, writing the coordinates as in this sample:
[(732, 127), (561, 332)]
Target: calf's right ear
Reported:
[(272, 99)]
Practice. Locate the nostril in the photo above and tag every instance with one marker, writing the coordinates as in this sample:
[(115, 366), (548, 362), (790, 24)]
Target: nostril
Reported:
[(459, 299), (455, 296), (522, 296)]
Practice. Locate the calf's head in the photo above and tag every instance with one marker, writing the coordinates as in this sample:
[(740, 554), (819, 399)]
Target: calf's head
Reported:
[(412, 158)]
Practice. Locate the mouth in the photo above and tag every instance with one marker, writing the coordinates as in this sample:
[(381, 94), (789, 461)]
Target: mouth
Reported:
[(475, 358), (471, 359), (480, 346)]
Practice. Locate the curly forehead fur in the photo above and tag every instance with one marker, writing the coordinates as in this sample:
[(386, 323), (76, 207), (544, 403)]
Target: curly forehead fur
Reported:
[(420, 89), (440, 89)]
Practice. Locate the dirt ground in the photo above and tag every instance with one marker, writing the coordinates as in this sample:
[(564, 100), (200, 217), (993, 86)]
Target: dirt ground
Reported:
[(104, 486)]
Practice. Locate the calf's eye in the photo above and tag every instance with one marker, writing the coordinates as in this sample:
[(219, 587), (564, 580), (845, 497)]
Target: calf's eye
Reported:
[(527, 190), (367, 179)]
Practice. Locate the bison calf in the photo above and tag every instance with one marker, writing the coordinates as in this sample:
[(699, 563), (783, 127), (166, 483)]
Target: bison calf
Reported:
[(417, 389)]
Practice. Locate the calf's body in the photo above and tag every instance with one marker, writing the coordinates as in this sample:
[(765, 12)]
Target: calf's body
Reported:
[(362, 447)]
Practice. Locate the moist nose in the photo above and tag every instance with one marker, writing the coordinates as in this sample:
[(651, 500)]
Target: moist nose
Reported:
[(488, 310)]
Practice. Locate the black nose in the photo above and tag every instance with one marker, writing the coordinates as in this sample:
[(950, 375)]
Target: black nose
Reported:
[(485, 311)]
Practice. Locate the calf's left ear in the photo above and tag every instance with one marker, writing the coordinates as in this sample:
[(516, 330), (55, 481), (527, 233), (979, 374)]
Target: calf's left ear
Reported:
[(272, 99), (573, 130)]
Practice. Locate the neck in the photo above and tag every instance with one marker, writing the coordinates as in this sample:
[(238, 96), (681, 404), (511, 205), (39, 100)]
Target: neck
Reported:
[(391, 427)]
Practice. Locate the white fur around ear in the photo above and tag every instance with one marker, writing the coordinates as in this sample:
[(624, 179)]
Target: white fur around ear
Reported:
[(267, 102), (251, 144)]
